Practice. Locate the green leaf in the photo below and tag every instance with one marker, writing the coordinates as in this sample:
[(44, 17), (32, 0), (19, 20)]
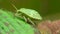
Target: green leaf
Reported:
[(17, 25)]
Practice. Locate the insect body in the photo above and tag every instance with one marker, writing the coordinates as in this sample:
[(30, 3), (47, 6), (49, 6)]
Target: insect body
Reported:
[(31, 13)]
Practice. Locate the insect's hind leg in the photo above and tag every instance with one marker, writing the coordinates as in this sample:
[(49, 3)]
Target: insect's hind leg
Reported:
[(31, 21), (35, 28)]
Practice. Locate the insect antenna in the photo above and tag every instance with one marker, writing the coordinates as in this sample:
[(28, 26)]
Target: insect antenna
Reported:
[(13, 5)]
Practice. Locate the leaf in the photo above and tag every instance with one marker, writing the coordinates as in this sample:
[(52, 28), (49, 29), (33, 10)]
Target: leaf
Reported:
[(15, 25)]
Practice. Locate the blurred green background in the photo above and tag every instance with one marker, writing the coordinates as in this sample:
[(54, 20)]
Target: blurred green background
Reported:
[(49, 9)]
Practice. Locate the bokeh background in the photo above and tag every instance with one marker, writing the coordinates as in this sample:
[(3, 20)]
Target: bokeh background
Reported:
[(48, 9)]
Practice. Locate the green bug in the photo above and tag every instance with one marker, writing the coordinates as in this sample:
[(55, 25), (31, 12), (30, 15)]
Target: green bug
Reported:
[(29, 13)]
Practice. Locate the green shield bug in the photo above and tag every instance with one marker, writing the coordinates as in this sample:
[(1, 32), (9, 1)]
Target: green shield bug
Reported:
[(29, 13)]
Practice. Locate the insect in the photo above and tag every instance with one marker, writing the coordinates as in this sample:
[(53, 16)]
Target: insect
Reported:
[(27, 14), (31, 13)]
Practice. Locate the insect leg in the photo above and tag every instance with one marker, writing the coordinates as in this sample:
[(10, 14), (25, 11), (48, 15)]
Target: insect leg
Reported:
[(25, 18), (36, 29), (31, 22)]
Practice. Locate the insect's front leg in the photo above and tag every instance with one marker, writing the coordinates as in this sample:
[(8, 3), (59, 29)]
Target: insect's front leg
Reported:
[(16, 14), (19, 15)]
